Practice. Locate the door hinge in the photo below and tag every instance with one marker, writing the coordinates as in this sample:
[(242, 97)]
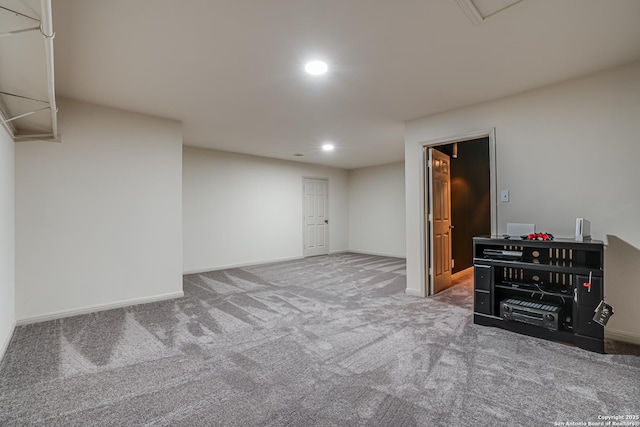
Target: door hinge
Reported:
[(430, 217)]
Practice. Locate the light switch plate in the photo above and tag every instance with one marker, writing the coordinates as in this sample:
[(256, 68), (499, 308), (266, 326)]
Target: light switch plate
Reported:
[(504, 195)]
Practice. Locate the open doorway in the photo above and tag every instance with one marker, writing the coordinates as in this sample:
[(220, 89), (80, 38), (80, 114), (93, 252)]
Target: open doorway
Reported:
[(473, 202), (470, 197)]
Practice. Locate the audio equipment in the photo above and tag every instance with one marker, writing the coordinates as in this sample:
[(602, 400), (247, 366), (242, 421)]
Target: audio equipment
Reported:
[(501, 254), (534, 313)]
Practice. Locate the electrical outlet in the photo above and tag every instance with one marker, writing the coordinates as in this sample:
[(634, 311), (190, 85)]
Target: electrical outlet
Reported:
[(504, 196)]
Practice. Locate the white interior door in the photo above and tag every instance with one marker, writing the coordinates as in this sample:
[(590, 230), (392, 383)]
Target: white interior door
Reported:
[(316, 219), (439, 216)]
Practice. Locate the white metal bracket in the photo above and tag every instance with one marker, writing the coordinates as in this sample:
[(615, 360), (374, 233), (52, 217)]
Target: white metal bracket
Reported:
[(24, 115), (14, 32), (48, 107)]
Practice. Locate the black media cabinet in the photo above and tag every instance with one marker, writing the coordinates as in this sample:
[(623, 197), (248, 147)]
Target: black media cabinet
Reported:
[(520, 284)]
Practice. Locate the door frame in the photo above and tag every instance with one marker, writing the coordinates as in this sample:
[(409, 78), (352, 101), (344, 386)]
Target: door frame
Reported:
[(425, 250), (304, 206)]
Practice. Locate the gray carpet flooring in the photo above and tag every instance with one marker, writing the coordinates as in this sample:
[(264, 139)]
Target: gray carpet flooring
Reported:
[(324, 341)]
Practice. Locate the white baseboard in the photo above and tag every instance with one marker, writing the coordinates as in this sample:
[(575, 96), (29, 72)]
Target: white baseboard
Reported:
[(413, 293), (98, 307), (270, 261), (5, 342), (622, 336), (244, 264), (378, 254)]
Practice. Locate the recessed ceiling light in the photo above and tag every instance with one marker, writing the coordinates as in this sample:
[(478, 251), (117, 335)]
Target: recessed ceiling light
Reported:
[(316, 68), (327, 147)]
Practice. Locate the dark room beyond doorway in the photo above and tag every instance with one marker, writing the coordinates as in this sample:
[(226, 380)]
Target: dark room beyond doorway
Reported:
[(470, 197)]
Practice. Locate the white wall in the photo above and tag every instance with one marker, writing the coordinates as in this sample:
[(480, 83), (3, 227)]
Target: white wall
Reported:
[(241, 210), (376, 210), (98, 217), (7, 242), (565, 151)]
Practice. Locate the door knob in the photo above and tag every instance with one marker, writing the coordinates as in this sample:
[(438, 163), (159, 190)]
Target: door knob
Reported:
[(326, 221)]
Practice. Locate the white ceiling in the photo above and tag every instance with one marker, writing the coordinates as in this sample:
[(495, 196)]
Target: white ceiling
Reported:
[(232, 70)]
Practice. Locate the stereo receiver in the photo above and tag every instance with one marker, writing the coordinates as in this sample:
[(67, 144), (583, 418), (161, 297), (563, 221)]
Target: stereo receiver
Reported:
[(534, 313)]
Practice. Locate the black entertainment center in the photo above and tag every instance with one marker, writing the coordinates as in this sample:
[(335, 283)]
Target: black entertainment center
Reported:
[(548, 289)]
